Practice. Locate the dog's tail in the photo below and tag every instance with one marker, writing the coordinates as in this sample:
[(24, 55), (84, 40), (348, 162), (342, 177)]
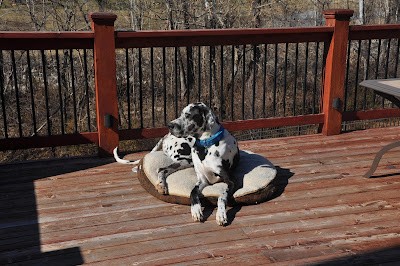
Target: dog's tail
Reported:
[(158, 147), (123, 161)]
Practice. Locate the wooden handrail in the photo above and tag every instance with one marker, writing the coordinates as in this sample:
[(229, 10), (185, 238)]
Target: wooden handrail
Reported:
[(370, 32), (142, 39), (46, 40)]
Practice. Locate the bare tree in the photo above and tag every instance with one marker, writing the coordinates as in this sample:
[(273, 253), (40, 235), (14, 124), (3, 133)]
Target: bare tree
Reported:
[(38, 17), (319, 6)]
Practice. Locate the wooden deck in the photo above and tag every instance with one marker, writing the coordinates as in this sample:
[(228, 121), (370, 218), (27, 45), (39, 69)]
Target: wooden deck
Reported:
[(91, 210)]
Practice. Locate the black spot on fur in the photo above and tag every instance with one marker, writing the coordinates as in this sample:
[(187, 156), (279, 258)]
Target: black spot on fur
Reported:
[(194, 196), (236, 159), (216, 153), (216, 143), (190, 139), (226, 165), (176, 144), (229, 167), (198, 119), (201, 152), (185, 149)]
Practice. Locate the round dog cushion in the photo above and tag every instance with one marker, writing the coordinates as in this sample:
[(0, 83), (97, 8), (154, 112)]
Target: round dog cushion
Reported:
[(254, 180)]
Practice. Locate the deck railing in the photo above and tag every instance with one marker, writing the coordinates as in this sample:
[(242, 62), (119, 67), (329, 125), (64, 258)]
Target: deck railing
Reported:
[(252, 78)]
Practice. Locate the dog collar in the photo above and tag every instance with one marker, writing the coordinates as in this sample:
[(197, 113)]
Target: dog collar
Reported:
[(206, 143)]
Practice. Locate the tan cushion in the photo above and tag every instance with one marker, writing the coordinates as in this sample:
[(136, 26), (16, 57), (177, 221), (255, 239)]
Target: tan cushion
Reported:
[(254, 176)]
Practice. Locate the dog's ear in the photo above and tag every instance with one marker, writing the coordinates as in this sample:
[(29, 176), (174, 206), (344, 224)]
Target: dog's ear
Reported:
[(208, 115)]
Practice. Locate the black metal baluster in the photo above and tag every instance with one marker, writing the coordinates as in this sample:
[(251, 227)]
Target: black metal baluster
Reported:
[(396, 63), (164, 69), (275, 80), (152, 85), (87, 90), (324, 55), (254, 80), (314, 107), (305, 80), (366, 74), (3, 103), (295, 78), (233, 82), (346, 86), (176, 81), (387, 59), (211, 72), (376, 70), (128, 87), (60, 93), (357, 70), (199, 74), (71, 60), (285, 78), (44, 65), (28, 60), (244, 79), (14, 68), (221, 115), (140, 87), (189, 70), (264, 79), (387, 68), (397, 59)]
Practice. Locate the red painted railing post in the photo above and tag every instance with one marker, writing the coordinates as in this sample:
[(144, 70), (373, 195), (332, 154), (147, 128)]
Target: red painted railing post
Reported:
[(105, 81), (335, 70)]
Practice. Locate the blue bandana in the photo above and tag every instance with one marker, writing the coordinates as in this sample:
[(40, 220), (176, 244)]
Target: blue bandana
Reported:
[(206, 143)]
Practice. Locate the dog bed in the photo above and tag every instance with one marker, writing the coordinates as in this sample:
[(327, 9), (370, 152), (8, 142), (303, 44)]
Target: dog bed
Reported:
[(254, 180)]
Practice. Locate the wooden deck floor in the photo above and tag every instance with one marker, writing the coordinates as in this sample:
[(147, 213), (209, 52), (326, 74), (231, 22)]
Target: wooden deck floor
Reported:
[(91, 210)]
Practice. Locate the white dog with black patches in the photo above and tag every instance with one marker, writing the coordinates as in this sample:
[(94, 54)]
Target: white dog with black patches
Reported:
[(197, 139)]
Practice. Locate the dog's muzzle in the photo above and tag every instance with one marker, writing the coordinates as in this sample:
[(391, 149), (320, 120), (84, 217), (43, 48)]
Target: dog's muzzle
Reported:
[(175, 129)]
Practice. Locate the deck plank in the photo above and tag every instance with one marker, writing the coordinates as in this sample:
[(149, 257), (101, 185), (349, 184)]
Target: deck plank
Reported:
[(94, 210)]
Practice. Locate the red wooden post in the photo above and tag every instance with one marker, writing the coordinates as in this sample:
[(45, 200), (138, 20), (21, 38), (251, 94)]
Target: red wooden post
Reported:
[(105, 80), (335, 69)]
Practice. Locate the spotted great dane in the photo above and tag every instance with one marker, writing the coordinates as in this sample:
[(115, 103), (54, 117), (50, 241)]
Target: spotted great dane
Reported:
[(196, 138)]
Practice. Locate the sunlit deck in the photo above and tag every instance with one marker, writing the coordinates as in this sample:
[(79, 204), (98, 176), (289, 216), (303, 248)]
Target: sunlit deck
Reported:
[(91, 210)]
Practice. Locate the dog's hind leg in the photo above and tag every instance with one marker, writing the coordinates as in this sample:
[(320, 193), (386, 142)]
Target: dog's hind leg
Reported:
[(164, 172)]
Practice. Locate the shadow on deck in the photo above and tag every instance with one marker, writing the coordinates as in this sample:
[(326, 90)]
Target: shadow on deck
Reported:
[(19, 229)]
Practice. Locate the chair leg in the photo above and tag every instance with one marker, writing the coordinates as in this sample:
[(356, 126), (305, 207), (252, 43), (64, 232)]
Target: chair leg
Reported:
[(378, 157)]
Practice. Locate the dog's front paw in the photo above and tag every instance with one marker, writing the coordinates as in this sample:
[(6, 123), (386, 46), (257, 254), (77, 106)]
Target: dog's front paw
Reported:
[(221, 218), (162, 188), (197, 214)]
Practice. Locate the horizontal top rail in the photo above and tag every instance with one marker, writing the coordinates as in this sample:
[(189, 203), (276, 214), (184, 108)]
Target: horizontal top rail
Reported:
[(176, 38), (369, 32), (46, 40)]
